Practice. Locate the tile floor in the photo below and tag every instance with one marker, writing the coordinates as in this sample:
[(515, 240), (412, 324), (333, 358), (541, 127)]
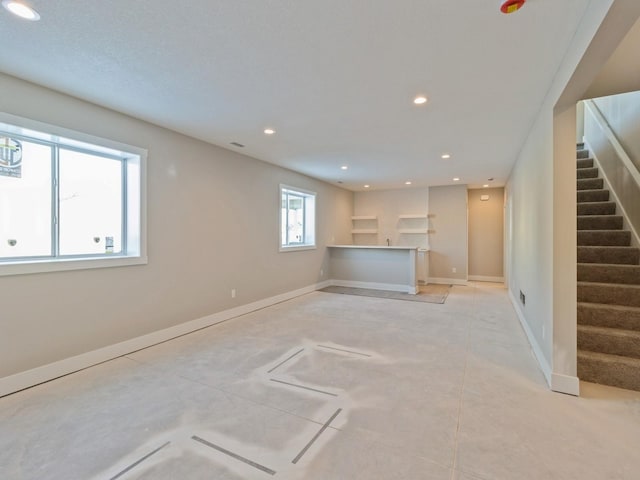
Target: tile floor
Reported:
[(329, 387)]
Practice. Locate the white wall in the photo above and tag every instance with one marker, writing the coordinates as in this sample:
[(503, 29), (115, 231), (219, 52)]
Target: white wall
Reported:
[(622, 113), (541, 198), (388, 205), (448, 238), (212, 226)]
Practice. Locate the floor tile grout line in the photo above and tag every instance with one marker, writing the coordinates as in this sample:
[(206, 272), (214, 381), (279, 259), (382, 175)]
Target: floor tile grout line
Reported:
[(460, 399), (316, 436), (343, 350), (304, 387), (231, 454), (285, 361), (139, 461)]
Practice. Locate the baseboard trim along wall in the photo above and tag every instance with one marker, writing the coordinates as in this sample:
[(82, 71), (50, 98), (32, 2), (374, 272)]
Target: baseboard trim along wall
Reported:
[(448, 281), (557, 382), (45, 373), (484, 278)]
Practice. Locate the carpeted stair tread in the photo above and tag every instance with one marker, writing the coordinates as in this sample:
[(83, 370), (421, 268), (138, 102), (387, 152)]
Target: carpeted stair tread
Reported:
[(597, 208), (610, 293), (582, 153), (614, 370), (584, 163), (609, 254), (597, 195), (600, 222), (612, 316), (613, 341), (609, 273), (604, 238), (587, 172), (590, 183)]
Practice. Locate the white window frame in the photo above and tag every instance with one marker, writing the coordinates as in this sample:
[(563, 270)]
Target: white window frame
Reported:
[(134, 198), (310, 215)]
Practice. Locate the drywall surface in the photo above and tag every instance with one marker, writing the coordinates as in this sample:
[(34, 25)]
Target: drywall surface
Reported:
[(541, 197), (448, 238), (622, 113), (486, 232), (212, 226), (388, 205)]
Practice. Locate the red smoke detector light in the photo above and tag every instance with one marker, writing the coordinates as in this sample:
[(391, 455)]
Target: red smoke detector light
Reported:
[(510, 6)]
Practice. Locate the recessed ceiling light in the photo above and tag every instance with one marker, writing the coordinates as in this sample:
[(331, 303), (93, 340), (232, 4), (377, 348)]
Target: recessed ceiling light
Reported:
[(344, 167), (420, 100), (407, 183), (486, 185), (456, 179), (21, 10), (367, 186), (269, 131), (446, 156)]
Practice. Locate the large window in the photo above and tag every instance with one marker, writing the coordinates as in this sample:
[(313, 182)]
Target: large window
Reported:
[(297, 219), (66, 203)]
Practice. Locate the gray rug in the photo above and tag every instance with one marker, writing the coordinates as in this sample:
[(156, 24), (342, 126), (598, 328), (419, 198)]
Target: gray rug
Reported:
[(432, 293)]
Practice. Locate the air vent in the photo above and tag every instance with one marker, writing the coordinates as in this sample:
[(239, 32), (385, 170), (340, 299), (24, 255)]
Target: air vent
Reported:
[(237, 144)]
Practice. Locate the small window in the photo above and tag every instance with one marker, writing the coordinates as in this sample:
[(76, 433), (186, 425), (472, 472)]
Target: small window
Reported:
[(297, 219), (66, 203)]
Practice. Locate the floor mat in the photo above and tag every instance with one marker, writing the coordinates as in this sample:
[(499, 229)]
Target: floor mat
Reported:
[(433, 293)]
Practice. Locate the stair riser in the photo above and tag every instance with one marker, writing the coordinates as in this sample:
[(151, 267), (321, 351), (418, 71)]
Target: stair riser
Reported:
[(611, 238), (582, 153), (590, 184), (626, 346), (597, 222), (610, 255), (584, 163), (593, 196), (621, 274), (615, 374), (587, 173), (628, 295), (610, 317), (597, 208)]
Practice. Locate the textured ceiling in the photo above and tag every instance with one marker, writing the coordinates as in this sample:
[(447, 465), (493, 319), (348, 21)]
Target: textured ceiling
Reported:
[(335, 79)]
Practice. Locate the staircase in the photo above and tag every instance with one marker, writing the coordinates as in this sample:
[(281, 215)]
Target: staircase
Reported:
[(608, 286)]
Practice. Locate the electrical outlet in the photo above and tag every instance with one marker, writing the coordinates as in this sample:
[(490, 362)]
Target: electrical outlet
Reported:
[(454, 270), (233, 293), (321, 272)]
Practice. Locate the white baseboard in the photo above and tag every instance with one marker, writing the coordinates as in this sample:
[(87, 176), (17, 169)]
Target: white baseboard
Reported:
[(393, 287), (557, 382), (448, 281), (484, 278), (44, 373), (537, 351)]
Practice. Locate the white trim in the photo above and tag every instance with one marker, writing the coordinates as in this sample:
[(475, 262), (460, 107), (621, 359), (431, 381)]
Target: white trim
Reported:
[(485, 278), (393, 287), (53, 265), (613, 140), (448, 281), (537, 351), (565, 384), (44, 373)]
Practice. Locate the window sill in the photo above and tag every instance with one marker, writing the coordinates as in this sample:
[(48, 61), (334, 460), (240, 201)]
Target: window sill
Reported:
[(44, 266), (298, 248)]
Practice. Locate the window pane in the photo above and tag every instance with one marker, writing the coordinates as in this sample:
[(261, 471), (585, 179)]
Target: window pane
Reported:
[(90, 204), (296, 219), (25, 199)]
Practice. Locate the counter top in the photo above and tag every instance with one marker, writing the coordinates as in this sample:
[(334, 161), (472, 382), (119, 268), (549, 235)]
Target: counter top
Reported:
[(381, 247)]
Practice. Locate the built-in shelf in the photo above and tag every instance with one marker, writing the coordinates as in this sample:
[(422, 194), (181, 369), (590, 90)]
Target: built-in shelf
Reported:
[(364, 217), (364, 230), (413, 230), (413, 215)]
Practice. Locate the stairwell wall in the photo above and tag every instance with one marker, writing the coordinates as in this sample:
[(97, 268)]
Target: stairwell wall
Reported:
[(541, 196)]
